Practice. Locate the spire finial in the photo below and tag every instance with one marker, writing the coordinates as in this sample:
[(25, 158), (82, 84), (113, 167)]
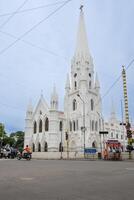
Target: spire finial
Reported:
[(81, 8)]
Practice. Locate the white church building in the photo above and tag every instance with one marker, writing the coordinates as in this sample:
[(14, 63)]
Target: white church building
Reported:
[(46, 127)]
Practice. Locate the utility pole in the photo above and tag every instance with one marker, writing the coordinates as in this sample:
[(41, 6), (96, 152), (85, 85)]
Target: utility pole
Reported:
[(127, 125), (61, 147), (123, 125)]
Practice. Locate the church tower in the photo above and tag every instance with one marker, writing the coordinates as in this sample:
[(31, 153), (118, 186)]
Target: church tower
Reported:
[(82, 102), (28, 123)]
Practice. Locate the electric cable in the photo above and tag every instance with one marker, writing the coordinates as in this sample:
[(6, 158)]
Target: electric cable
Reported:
[(32, 9), (34, 45), (116, 81), (13, 14), (33, 27)]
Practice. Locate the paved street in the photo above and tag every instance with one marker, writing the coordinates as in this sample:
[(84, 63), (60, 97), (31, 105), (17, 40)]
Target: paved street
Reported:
[(66, 180)]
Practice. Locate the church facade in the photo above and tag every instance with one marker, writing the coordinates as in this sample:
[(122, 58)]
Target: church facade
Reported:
[(47, 128)]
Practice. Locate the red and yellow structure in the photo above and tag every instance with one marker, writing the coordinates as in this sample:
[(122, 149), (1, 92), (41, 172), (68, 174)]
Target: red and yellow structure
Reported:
[(127, 123)]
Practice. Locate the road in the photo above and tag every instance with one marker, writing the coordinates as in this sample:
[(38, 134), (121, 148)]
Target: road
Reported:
[(66, 180)]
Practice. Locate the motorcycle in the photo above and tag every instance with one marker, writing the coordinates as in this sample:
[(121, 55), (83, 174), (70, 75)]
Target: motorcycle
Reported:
[(26, 156)]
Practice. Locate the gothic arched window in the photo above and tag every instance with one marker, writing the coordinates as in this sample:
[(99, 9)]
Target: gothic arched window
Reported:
[(46, 124), (74, 126), (40, 126), (60, 126), (89, 84), (96, 126), (92, 104), (77, 125), (70, 126), (92, 125), (35, 127), (75, 75), (75, 85), (74, 104)]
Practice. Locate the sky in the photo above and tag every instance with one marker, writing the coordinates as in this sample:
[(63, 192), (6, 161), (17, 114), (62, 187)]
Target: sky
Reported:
[(41, 56)]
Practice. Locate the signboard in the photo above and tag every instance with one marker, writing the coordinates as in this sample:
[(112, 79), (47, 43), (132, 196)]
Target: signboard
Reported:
[(90, 151), (103, 132)]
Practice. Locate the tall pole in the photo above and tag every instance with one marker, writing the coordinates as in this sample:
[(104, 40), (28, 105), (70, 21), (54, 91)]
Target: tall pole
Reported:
[(84, 125), (128, 125), (123, 125), (61, 125), (83, 128)]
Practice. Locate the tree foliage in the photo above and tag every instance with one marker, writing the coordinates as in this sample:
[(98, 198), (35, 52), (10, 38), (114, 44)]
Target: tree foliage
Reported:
[(15, 139), (19, 138)]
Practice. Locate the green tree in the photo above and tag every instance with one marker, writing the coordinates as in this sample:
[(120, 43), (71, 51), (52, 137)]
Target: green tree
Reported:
[(1, 130), (19, 138), (8, 140)]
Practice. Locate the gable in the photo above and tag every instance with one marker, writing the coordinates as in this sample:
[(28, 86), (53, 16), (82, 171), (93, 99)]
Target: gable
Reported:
[(41, 108)]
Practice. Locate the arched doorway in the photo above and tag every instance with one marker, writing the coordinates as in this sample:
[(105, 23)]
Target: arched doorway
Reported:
[(39, 147), (94, 144), (45, 147)]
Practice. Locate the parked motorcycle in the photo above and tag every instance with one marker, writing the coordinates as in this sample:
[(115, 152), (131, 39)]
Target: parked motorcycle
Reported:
[(26, 156)]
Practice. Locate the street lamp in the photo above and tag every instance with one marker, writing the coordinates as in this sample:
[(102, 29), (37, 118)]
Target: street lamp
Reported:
[(83, 128)]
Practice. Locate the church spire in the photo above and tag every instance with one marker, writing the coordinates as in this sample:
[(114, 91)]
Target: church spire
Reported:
[(54, 99), (97, 84), (67, 86), (29, 110), (82, 49)]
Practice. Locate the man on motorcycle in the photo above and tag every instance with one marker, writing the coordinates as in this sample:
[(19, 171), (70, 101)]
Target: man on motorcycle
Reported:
[(27, 149), (26, 154)]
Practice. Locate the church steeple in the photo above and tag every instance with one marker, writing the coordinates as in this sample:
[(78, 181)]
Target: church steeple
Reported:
[(82, 69), (29, 110), (67, 86), (97, 84), (54, 99), (82, 49)]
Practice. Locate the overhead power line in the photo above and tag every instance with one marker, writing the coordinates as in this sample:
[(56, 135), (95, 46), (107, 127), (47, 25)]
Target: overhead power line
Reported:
[(34, 45), (33, 27), (32, 9), (116, 81), (128, 66), (13, 14)]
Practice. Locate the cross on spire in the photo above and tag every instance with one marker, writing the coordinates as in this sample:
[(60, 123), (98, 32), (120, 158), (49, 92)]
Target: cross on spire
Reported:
[(81, 8)]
